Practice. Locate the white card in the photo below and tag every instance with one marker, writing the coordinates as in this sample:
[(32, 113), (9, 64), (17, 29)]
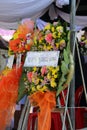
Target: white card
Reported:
[(10, 61), (41, 58), (18, 60)]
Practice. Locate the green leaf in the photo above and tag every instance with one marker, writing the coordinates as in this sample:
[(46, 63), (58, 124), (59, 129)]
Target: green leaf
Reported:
[(22, 89), (64, 68), (60, 85), (66, 57)]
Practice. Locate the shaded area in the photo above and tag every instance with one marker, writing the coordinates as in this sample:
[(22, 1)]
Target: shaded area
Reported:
[(3, 44)]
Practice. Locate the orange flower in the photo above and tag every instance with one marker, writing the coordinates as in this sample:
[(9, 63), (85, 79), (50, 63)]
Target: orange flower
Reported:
[(14, 44), (27, 47)]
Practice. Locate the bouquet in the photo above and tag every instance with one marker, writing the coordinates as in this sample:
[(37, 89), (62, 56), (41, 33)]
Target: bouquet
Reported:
[(83, 44), (54, 37), (22, 38)]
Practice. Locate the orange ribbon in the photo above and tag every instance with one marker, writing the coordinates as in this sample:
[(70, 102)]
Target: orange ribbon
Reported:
[(8, 95), (46, 101)]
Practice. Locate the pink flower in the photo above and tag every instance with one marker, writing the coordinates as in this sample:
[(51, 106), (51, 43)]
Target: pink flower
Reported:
[(82, 43), (29, 76), (48, 37), (43, 70)]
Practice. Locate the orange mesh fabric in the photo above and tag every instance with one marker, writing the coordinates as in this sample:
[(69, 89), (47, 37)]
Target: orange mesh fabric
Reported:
[(46, 101), (8, 95)]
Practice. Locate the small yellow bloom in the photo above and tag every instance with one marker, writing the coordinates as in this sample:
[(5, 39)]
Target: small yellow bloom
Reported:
[(34, 69), (49, 47), (33, 79), (59, 29), (6, 71), (48, 76), (38, 87), (44, 88), (57, 45), (15, 36), (52, 29), (55, 76), (33, 89), (62, 41), (59, 34), (37, 81), (35, 40), (44, 47), (82, 38), (47, 27), (53, 83), (50, 68), (54, 71), (40, 41), (54, 35), (85, 41)]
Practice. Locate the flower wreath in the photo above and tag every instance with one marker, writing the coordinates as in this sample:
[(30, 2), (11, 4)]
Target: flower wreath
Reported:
[(43, 84), (52, 37), (83, 44)]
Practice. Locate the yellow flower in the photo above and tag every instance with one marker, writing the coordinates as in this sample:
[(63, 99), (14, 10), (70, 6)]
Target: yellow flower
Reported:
[(59, 35), (54, 35), (50, 68), (35, 40), (37, 81), (52, 29), (48, 76), (33, 79), (53, 83), (49, 47), (40, 41), (57, 45), (54, 71), (38, 87), (6, 71), (34, 69), (44, 47), (55, 76), (44, 88), (82, 38), (62, 41), (33, 89), (85, 41), (47, 26), (59, 29), (15, 35)]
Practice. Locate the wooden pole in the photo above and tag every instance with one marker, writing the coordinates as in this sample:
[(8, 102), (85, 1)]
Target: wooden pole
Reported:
[(72, 46)]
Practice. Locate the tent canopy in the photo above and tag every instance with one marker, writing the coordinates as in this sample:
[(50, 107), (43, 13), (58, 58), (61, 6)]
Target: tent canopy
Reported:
[(13, 11)]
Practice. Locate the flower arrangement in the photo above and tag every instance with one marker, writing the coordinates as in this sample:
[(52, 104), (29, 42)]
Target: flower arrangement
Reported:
[(83, 44), (22, 38), (52, 38), (41, 79), (43, 84)]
